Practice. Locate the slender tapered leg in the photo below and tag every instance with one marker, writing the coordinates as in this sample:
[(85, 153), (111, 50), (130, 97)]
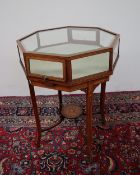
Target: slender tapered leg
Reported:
[(102, 102), (37, 119), (60, 99), (89, 120), (60, 105)]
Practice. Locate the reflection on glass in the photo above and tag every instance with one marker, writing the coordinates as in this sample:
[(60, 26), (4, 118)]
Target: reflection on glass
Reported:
[(21, 55), (90, 65), (30, 43), (53, 37), (87, 35), (46, 68), (106, 39), (115, 52)]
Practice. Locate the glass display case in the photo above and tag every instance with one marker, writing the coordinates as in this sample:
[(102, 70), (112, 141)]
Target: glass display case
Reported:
[(67, 59), (81, 51)]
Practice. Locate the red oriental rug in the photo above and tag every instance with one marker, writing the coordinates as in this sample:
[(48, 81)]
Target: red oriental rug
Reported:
[(116, 149)]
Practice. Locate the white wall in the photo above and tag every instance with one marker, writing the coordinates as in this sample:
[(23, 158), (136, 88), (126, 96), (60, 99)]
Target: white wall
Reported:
[(21, 17)]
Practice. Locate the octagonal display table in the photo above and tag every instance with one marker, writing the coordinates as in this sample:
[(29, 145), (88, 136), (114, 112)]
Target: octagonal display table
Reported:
[(68, 59)]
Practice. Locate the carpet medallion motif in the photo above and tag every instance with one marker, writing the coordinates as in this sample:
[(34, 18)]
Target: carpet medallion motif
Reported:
[(115, 149)]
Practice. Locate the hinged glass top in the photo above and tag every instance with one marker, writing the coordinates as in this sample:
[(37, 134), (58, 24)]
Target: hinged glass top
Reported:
[(67, 41)]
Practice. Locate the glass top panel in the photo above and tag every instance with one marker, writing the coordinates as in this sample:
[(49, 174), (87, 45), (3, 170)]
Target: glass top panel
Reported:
[(67, 41), (67, 49)]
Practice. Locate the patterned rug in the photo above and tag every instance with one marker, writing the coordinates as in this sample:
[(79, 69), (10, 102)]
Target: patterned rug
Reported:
[(116, 149)]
